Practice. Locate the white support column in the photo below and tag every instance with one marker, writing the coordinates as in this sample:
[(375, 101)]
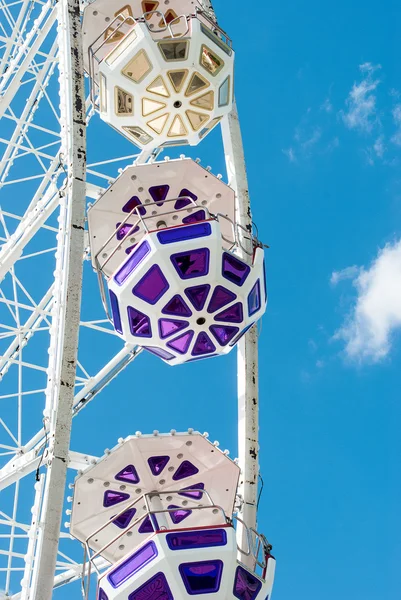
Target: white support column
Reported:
[(247, 358), (67, 296)]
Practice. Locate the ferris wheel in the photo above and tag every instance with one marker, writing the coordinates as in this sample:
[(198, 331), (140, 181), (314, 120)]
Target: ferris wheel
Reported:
[(175, 269)]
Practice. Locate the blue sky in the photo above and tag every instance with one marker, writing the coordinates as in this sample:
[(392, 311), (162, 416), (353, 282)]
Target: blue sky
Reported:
[(318, 91), (318, 88)]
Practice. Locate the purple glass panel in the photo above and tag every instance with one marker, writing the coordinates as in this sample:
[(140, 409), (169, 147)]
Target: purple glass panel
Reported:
[(234, 270), (178, 515), (198, 295), (180, 234), (133, 564), (181, 344), (203, 345), (221, 297), (128, 475), (224, 333), (243, 332), (152, 286), (264, 279), (133, 203), (146, 526), (197, 216), (177, 308), (196, 539), (130, 249), (194, 263), (125, 519), (202, 577), (254, 302), (159, 193), (234, 314), (157, 464), (102, 595), (155, 589), (125, 229), (132, 262), (111, 498), (195, 495), (169, 327), (159, 352), (139, 323), (246, 585), (186, 469), (115, 309), (183, 202)]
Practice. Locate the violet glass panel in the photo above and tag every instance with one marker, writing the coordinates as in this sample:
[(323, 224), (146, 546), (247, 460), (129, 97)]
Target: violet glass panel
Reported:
[(221, 297), (178, 515), (180, 234), (183, 202), (125, 229), (139, 323), (182, 343), (128, 475), (234, 269), (194, 263), (202, 577), (130, 249), (132, 262), (156, 588), (197, 216), (102, 595), (195, 495), (125, 519), (133, 203), (115, 309), (196, 539), (203, 345), (159, 352), (168, 327), (246, 585), (254, 302), (152, 286), (177, 308), (224, 333), (264, 279), (146, 526), (159, 193), (157, 464), (234, 314), (133, 564), (186, 469), (111, 498), (198, 295)]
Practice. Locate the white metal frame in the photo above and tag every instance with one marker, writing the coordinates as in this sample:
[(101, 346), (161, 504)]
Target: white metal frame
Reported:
[(59, 172)]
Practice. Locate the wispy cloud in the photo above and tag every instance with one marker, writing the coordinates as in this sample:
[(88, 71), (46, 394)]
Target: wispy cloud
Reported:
[(290, 154), (348, 273), (327, 106), (376, 315), (361, 113), (396, 139)]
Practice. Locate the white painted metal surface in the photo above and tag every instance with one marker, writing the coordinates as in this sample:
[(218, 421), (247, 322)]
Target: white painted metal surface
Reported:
[(28, 229)]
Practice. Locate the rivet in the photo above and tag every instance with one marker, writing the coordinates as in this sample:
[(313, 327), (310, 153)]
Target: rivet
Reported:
[(138, 491), (106, 483), (162, 481), (188, 443), (123, 487), (91, 480), (180, 455), (140, 189), (184, 502), (121, 547), (171, 469)]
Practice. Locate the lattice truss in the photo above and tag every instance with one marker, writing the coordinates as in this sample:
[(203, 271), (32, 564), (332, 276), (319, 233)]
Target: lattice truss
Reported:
[(32, 219)]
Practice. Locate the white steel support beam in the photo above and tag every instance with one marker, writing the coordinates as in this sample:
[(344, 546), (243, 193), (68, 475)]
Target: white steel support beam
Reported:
[(247, 357), (67, 296), (21, 63)]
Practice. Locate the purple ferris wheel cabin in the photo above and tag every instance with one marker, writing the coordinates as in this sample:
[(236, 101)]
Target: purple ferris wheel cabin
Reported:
[(178, 283)]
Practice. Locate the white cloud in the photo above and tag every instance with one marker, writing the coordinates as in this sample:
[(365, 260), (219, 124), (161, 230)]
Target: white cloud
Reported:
[(327, 106), (379, 147), (348, 273), (396, 139), (361, 102), (376, 315), (290, 154)]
